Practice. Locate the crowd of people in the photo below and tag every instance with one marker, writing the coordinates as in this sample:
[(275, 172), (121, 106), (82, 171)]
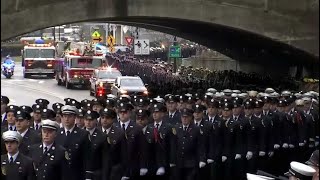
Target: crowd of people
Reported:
[(214, 135)]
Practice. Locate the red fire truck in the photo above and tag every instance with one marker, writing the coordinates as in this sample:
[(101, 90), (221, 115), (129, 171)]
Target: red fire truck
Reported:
[(38, 59), (77, 68)]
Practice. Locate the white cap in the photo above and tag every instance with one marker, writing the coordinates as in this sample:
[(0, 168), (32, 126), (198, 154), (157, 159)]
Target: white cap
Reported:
[(50, 124), (11, 136), (299, 102), (300, 170), (213, 90), (285, 93), (236, 91), (218, 95), (307, 99), (307, 94), (243, 95), (252, 93), (257, 177), (234, 95), (298, 95), (269, 90), (67, 109), (274, 95), (227, 92)]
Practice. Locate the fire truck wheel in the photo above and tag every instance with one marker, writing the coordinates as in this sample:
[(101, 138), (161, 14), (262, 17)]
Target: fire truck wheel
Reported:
[(68, 85), (25, 75)]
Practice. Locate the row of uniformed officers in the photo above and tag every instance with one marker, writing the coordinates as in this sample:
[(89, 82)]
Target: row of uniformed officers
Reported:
[(213, 139)]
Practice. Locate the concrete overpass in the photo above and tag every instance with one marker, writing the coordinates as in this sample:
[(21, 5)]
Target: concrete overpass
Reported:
[(255, 30)]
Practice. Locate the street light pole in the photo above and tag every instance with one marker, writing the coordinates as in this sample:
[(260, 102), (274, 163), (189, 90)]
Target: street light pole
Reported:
[(175, 43)]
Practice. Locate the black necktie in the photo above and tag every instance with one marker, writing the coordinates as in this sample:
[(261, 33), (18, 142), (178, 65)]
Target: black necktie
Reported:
[(197, 124), (45, 149), (68, 133), (124, 127), (37, 126), (11, 159), (157, 126), (105, 131), (185, 128), (11, 129), (171, 116), (210, 120)]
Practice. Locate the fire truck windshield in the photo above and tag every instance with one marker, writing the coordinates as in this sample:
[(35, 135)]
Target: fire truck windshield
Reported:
[(86, 62), (39, 53)]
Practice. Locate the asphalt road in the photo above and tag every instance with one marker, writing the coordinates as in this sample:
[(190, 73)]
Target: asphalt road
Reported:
[(23, 91)]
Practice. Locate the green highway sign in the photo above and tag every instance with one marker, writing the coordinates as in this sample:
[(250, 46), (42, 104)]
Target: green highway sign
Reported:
[(175, 52)]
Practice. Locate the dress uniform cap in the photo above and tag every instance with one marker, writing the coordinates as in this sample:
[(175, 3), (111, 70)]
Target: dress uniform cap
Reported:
[(142, 113), (237, 102), (227, 92), (81, 113), (213, 103), (186, 112), (236, 91), (12, 108), (252, 93), (5, 100), (226, 105), (11, 136), (257, 177), (22, 115), (306, 99), (299, 102), (198, 108), (249, 104), (27, 109), (37, 108), (298, 95), (314, 159), (158, 99), (282, 103), (84, 102), (269, 90), (258, 104), (44, 102), (243, 95), (50, 124), (159, 108), (57, 106), (300, 170), (307, 94), (108, 113), (47, 114), (91, 115), (274, 95), (172, 98), (122, 107), (67, 109), (286, 93), (212, 90)]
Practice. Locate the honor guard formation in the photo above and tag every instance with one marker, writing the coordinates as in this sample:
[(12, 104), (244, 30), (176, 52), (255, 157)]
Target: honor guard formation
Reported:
[(226, 135)]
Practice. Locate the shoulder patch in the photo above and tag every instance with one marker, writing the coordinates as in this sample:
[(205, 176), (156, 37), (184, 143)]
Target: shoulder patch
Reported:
[(174, 132)]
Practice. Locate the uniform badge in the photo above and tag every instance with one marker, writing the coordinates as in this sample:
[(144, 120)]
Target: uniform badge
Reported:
[(114, 142), (241, 127), (108, 139), (201, 132), (231, 130), (125, 134), (3, 170), (174, 132), (66, 155), (161, 136)]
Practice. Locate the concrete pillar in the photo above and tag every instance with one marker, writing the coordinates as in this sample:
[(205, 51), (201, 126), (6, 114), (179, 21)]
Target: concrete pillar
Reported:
[(118, 35)]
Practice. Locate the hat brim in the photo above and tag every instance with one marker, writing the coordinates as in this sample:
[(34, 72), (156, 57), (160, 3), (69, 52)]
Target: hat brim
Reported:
[(49, 127)]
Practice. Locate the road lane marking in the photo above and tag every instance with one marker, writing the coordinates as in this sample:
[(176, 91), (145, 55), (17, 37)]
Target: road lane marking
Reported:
[(40, 82)]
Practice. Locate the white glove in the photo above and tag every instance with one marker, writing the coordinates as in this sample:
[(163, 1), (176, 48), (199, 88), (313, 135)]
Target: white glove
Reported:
[(249, 155), (224, 158), (291, 146), (262, 153), (209, 161), (125, 178), (276, 146), (301, 144), (271, 153), (160, 171), (238, 156), (285, 145), (311, 139), (143, 171), (316, 143), (172, 165), (202, 164)]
